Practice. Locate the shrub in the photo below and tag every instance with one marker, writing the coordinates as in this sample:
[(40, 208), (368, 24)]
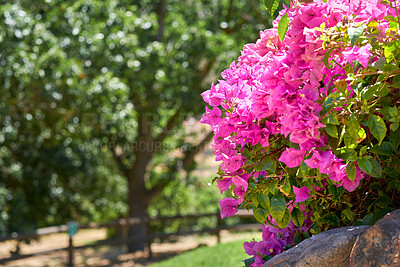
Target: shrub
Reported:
[(306, 122)]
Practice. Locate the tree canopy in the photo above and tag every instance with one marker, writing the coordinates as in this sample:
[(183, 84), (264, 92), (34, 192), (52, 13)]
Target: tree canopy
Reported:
[(93, 94)]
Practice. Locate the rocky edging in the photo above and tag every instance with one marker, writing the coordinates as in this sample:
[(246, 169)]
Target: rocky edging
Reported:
[(377, 245)]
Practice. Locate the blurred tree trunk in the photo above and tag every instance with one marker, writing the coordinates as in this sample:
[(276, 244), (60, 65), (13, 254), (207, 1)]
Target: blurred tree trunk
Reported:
[(139, 196), (138, 203)]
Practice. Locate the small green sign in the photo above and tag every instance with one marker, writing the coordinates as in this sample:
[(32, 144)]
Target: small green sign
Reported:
[(72, 228)]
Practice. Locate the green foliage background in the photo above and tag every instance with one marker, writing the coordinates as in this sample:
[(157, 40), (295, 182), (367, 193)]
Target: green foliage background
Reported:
[(76, 77)]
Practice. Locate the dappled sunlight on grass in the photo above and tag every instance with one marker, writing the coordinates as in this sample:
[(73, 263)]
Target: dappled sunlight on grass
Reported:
[(226, 254)]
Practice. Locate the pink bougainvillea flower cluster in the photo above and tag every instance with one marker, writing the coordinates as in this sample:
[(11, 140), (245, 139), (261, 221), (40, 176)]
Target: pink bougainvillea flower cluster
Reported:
[(273, 89), (274, 240), (270, 247)]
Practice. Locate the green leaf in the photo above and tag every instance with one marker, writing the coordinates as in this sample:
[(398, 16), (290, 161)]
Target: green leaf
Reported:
[(315, 229), (287, 188), (254, 199), (284, 222), (380, 213), (369, 91), (388, 18), (303, 170), (278, 207), (383, 201), (384, 90), (273, 167), (365, 165), (349, 70), (331, 119), (396, 81), (367, 219), (377, 127), (354, 133), (351, 171), (394, 112), (248, 262), (271, 6), (361, 134), (337, 192), (352, 156), (395, 126), (390, 50), (246, 153), (297, 217), (375, 186), (264, 164), (348, 214), (326, 58), (363, 150), (332, 130), (379, 63), (394, 171), (355, 33), (273, 186), (394, 138), (381, 77), (394, 184), (376, 168), (260, 215), (385, 149), (331, 219), (327, 105), (349, 141), (388, 67), (332, 142), (355, 130), (283, 26), (264, 201)]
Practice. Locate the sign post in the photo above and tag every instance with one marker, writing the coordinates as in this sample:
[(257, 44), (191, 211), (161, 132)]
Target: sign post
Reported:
[(72, 230)]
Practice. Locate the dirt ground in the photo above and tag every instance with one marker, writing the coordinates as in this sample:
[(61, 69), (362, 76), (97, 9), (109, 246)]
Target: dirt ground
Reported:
[(108, 255)]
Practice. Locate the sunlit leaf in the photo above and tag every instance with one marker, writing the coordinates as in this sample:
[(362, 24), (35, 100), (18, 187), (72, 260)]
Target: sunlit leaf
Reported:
[(271, 6), (278, 206), (283, 27), (351, 171), (377, 127), (355, 33)]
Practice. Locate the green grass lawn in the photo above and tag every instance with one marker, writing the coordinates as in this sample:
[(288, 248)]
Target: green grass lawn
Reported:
[(222, 255)]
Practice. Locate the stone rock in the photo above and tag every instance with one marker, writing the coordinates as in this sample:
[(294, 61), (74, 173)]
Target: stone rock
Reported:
[(328, 249), (380, 244)]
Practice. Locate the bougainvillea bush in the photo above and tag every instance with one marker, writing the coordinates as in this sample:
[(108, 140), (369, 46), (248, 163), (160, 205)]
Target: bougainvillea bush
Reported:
[(306, 122)]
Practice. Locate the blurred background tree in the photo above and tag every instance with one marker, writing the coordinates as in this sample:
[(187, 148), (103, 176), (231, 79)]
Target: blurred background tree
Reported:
[(96, 101)]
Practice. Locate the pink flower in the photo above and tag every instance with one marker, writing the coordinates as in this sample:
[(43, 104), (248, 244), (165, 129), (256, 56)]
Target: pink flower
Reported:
[(224, 184), (339, 175), (212, 116), (241, 187), (213, 97), (360, 54), (320, 159), (352, 185), (292, 157), (232, 164), (249, 247), (271, 246), (302, 194), (310, 16), (229, 206), (259, 262)]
